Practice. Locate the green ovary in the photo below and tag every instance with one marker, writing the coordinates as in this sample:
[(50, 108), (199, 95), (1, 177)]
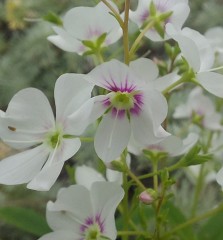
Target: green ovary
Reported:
[(122, 100), (93, 233), (54, 139)]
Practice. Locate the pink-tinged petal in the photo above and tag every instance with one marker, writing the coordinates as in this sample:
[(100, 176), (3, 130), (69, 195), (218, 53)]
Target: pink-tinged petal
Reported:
[(44, 180), (73, 204), (94, 22), (212, 82), (61, 234), (219, 177), (162, 83), (106, 204), (112, 137), (114, 76), (77, 122), (145, 68), (71, 91), (23, 167), (187, 46), (86, 176), (65, 41)]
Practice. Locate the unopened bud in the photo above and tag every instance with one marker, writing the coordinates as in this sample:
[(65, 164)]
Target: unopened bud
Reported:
[(148, 196)]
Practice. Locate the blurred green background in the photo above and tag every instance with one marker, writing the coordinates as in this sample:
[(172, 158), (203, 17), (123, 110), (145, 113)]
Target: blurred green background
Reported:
[(28, 59)]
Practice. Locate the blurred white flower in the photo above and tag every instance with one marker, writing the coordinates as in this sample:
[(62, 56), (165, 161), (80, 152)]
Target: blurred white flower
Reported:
[(199, 54), (179, 8), (80, 213), (29, 125), (172, 145), (86, 24), (201, 108), (215, 37)]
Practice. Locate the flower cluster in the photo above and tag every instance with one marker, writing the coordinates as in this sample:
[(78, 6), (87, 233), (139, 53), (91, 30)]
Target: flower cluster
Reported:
[(128, 101)]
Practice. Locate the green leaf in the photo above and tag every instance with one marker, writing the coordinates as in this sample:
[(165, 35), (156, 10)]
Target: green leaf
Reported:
[(53, 18), (25, 219), (212, 229)]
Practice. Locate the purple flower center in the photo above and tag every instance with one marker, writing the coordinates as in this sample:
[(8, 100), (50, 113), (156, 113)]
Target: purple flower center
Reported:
[(92, 228)]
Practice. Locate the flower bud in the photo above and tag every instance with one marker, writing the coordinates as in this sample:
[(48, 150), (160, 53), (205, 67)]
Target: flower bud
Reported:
[(148, 196)]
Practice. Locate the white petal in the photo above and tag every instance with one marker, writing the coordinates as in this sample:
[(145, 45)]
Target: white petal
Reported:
[(27, 119), (65, 41), (77, 122), (86, 176), (31, 109), (219, 177), (187, 46), (213, 121), (22, 167), (98, 108), (206, 52), (113, 76), (75, 202), (94, 22), (51, 170), (71, 91), (58, 235), (145, 68), (107, 203), (212, 82), (162, 83), (112, 137), (114, 176)]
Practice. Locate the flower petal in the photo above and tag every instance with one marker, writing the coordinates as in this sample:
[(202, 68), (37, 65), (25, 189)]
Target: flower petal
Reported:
[(71, 91), (23, 167), (62, 234), (112, 137), (86, 176), (212, 82), (107, 203), (162, 83), (44, 180), (94, 22), (72, 207), (27, 119), (65, 41), (187, 46), (113, 76), (219, 177), (145, 68)]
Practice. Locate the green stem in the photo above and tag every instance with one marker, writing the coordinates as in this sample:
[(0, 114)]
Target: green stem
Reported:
[(155, 176), (200, 180), (116, 14), (136, 180), (139, 38), (86, 139), (192, 221), (125, 205), (126, 32)]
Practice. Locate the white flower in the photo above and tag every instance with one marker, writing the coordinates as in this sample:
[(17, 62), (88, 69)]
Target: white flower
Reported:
[(82, 214), (196, 49), (29, 125), (131, 106), (215, 37), (86, 23), (201, 106), (172, 145), (179, 8)]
